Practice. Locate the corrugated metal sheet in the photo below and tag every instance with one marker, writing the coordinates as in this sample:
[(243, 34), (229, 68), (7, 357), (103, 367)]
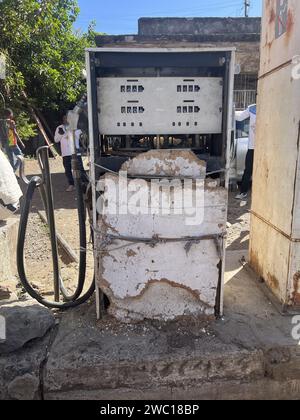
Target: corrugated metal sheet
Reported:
[(269, 256), (296, 212), (293, 297), (275, 231), (277, 148)]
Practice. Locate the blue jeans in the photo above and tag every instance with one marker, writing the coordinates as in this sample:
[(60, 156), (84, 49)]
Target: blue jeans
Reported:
[(12, 153)]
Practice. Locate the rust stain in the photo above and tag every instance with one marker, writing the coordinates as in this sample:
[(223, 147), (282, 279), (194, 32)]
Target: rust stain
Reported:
[(172, 284), (272, 16), (273, 281), (268, 43), (296, 293), (105, 226), (255, 264), (105, 287), (272, 19), (196, 295), (130, 253), (267, 173), (290, 23)]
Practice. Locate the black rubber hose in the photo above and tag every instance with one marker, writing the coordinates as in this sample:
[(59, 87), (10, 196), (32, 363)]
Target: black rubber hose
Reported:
[(47, 197), (81, 211), (49, 207), (26, 206)]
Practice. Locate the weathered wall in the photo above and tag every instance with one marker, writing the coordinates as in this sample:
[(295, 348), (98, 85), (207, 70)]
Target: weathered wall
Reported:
[(200, 26), (168, 279)]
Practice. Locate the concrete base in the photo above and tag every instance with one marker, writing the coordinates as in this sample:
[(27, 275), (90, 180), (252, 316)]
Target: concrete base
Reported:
[(250, 354), (8, 246)]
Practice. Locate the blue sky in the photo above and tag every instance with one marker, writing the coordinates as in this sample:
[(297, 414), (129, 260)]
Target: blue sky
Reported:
[(121, 16)]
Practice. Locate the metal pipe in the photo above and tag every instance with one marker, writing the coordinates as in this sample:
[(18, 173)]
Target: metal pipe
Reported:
[(47, 186)]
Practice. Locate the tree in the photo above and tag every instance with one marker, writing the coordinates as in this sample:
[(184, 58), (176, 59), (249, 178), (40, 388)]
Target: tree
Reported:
[(44, 55)]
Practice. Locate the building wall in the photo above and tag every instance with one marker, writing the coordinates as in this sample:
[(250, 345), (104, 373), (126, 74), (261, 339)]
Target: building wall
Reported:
[(8, 245), (200, 26)]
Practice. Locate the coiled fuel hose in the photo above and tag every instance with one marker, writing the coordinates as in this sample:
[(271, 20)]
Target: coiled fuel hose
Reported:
[(44, 185)]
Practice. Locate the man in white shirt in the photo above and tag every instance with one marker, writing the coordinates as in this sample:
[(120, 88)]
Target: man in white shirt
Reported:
[(64, 137), (250, 112)]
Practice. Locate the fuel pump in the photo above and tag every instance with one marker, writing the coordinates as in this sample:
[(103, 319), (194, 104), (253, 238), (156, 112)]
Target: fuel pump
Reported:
[(149, 110)]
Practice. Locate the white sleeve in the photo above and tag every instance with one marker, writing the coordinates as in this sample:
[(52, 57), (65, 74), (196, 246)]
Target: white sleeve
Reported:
[(10, 192), (58, 137), (243, 116)]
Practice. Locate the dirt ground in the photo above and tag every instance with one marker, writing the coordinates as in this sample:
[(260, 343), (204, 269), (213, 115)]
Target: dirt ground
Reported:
[(38, 249), (238, 227)]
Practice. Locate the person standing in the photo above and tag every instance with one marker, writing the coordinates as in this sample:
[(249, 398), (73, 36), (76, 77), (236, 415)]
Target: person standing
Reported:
[(10, 140), (10, 192), (250, 112), (64, 137)]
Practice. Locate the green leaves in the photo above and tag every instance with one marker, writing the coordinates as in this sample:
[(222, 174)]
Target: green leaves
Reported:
[(45, 57)]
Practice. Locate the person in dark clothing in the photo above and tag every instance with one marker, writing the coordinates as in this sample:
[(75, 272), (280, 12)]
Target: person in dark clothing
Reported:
[(247, 177), (250, 112)]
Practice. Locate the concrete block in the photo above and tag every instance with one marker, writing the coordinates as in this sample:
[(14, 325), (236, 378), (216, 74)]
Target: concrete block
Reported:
[(20, 372), (24, 322), (8, 246)]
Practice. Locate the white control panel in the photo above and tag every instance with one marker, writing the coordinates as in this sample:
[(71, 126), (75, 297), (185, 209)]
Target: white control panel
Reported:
[(160, 105)]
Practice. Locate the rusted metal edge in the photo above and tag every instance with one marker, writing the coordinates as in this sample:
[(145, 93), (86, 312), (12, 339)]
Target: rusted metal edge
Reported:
[(290, 274), (221, 248), (289, 237), (282, 66), (296, 176), (281, 308), (157, 239)]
